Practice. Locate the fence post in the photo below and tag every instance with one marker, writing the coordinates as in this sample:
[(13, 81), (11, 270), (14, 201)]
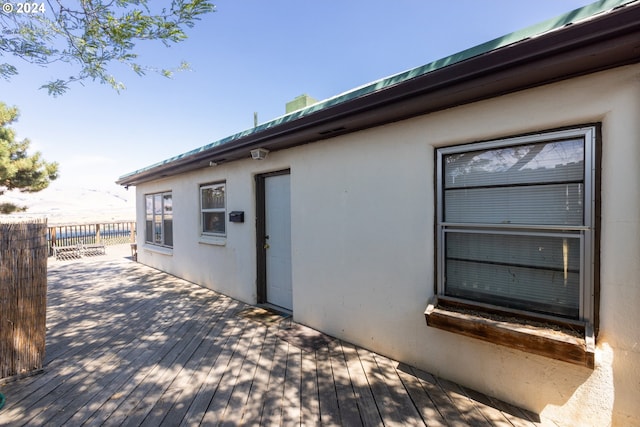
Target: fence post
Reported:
[(97, 233), (133, 232)]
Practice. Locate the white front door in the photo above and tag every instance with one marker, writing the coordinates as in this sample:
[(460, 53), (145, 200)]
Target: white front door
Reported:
[(277, 200)]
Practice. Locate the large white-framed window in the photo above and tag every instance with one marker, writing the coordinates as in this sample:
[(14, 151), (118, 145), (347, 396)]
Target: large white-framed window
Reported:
[(213, 209), (516, 222), (159, 219)]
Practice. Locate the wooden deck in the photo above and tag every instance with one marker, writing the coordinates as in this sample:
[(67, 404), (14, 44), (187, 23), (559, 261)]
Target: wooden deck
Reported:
[(129, 345)]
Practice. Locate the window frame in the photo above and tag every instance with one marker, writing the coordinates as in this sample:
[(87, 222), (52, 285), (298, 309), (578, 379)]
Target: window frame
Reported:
[(585, 232), (164, 235), (213, 210)]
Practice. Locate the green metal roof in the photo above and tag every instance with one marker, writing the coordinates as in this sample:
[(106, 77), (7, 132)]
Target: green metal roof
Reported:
[(585, 13)]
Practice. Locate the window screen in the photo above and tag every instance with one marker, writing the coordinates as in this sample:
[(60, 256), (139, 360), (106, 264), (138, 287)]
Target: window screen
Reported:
[(514, 222)]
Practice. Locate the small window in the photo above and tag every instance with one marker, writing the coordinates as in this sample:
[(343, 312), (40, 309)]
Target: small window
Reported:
[(213, 209), (159, 219), (515, 223)]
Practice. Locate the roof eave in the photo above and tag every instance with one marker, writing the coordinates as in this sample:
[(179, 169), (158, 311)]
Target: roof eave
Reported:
[(604, 42)]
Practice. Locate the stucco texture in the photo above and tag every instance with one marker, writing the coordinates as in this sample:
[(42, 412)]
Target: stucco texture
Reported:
[(362, 227)]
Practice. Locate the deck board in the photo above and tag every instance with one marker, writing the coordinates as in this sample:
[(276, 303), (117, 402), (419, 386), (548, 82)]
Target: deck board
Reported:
[(423, 403), (274, 394), (327, 397), (291, 410), (252, 410), (169, 402), (364, 398), (229, 380), (209, 386), (232, 414), (310, 415), (148, 393), (129, 345), (399, 396)]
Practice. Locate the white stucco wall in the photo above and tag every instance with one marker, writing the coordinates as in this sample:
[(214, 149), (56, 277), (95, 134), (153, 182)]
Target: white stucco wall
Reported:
[(363, 248)]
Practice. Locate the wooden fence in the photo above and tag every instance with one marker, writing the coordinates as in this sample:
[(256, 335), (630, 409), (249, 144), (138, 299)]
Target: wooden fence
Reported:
[(109, 233), (23, 297)]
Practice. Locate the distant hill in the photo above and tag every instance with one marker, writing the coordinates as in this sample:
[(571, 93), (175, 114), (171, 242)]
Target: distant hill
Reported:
[(75, 205)]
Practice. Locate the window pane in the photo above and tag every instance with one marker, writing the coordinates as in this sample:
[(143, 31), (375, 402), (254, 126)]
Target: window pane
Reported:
[(149, 207), (148, 236), (213, 222), (157, 204), (213, 197), (157, 229), (537, 273), (168, 232), (167, 222), (167, 205), (545, 162), (560, 204)]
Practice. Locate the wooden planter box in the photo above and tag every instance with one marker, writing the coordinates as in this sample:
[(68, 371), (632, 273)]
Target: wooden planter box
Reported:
[(550, 339)]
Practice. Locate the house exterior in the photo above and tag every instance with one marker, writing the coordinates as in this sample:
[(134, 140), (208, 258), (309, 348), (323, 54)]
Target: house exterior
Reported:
[(477, 217)]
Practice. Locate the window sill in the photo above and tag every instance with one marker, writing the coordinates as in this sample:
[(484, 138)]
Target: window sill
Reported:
[(569, 341), (158, 249), (212, 240)]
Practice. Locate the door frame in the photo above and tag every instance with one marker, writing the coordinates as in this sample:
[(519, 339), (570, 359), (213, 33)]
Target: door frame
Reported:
[(261, 253)]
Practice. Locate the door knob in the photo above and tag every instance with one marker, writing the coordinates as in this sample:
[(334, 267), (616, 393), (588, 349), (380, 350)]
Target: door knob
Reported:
[(266, 246)]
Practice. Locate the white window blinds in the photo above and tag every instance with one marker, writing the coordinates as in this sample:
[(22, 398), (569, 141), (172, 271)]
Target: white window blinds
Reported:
[(514, 222)]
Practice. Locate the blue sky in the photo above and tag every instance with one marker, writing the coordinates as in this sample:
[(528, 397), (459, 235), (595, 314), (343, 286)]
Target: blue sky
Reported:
[(249, 56)]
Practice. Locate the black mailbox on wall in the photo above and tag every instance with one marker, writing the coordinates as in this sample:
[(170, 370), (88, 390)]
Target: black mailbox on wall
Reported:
[(236, 216)]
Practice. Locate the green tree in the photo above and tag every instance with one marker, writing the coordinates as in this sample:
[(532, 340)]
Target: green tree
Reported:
[(91, 35), (18, 169)]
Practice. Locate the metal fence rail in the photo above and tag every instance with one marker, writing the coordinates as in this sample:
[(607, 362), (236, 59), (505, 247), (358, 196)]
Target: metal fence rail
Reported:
[(107, 233)]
